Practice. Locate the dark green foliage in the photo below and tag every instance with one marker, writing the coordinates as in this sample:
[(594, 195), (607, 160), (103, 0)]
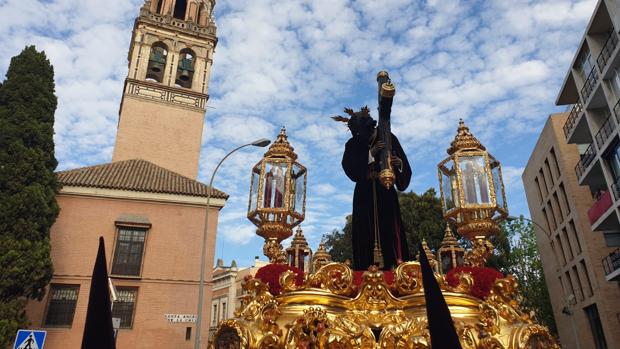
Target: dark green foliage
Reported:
[(422, 219), (421, 216), (524, 264), (339, 244), (27, 186)]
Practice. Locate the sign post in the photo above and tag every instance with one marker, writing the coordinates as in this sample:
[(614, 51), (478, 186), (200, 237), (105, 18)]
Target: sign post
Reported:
[(29, 339)]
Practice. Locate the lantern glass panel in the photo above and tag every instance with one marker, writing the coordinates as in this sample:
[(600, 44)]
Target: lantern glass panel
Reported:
[(299, 190), (274, 185), (475, 180), (254, 191), (448, 187), (446, 262), (497, 185)]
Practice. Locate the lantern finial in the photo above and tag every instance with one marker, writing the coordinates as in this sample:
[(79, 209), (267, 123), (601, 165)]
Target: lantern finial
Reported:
[(321, 257), (281, 146), (449, 240), (464, 139)]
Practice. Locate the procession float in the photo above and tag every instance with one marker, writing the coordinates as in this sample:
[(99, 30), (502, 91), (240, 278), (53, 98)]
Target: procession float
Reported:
[(303, 300)]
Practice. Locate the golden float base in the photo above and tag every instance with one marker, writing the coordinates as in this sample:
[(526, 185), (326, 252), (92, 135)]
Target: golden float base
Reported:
[(329, 311)]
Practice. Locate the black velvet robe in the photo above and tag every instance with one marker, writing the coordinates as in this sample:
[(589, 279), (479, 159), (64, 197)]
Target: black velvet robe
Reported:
[(393, 243)]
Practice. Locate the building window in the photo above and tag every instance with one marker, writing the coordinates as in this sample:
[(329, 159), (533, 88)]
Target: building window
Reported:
[(549, 172), (128, 251), (579, 283), (544, 182), (188, 333), (573, 230), (567, 243), (554, 159), (61, 306), (585, 64), (596, 326), (558, 243), (214, 316), (224, 310), (615, 82), (566, 203), (584, 269), (125, 305), (539, 192)]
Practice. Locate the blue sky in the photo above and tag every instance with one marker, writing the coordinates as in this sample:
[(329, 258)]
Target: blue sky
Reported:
[(497, 64)]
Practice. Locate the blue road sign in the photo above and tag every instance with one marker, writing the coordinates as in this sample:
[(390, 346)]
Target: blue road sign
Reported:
[(29, 339)]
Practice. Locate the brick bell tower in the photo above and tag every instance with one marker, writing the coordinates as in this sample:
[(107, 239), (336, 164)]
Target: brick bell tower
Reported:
[(165, 95)]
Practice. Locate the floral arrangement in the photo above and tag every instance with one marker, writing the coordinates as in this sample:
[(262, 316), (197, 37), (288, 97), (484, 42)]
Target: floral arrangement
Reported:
[(270, 274), (484, 278)]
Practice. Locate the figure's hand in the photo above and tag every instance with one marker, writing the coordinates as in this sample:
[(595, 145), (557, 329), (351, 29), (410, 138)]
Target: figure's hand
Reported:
[(375, 149), (396, 162)]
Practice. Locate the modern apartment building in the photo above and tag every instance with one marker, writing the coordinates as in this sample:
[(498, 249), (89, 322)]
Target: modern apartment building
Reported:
[(591, 89), (586, 306)]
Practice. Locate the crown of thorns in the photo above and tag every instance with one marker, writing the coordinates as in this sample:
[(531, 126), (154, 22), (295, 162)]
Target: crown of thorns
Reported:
[(363, 113)]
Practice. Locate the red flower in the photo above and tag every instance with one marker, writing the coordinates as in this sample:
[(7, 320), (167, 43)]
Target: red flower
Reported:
[(270, 274), (484, 278)]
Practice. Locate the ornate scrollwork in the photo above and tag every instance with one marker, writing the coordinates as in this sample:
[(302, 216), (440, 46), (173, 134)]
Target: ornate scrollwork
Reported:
[(535, 336), (253, 302), (405, 333), (481, 250), (374, 293), (335, 277), (466, 282), (408, 278), (502, 298)]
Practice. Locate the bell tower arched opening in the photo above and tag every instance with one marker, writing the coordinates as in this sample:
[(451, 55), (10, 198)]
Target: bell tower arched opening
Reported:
[(157, 62), (180, 7), (185, 69)]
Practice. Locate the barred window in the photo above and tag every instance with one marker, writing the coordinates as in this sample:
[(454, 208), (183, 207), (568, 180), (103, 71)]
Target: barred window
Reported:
[(125, 305), (128, 251), (61, 306)]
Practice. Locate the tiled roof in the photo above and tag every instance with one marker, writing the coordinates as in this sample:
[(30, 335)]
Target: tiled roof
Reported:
[(136, 175)]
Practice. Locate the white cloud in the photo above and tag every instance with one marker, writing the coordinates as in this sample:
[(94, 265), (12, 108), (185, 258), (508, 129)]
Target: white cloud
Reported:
[(497, 64)]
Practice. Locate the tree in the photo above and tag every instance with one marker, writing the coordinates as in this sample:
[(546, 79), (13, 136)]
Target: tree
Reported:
[(422, 218), (28, 186), (524, 264), (339, 244)]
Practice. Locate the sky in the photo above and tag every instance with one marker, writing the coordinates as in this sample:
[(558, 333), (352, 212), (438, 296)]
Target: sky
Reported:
[(498, 64)]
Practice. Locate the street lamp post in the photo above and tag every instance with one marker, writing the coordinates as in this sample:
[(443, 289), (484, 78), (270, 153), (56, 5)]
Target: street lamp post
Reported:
[(263, 142), (569, 300)]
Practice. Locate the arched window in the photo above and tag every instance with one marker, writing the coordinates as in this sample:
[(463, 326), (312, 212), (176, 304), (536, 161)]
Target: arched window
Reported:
[(185, 70), (179, 9), (159, 5), (202, 15), (157, 62)]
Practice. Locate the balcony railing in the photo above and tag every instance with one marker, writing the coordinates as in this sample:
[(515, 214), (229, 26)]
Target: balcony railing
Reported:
[(611, 263), (585, 161), (571, 121), (588, 87), (608, 49), (605, 131), (617, 111)]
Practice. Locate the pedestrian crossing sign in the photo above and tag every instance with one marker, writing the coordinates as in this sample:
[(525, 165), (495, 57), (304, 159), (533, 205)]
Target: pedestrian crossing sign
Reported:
[(29, 339)]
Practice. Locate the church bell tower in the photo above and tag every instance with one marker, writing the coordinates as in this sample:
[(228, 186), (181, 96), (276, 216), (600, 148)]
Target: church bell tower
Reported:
[(166, 89)]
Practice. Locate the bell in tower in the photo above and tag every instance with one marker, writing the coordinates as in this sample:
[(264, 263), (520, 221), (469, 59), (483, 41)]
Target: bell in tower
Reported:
[(166, 89)]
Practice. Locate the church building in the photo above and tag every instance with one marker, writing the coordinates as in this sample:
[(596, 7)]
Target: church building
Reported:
[(146, 203)]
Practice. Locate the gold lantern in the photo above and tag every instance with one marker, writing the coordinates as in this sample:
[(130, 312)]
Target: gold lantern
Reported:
[(277, 196), (472, 191), (299, 253), (450, 254)]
